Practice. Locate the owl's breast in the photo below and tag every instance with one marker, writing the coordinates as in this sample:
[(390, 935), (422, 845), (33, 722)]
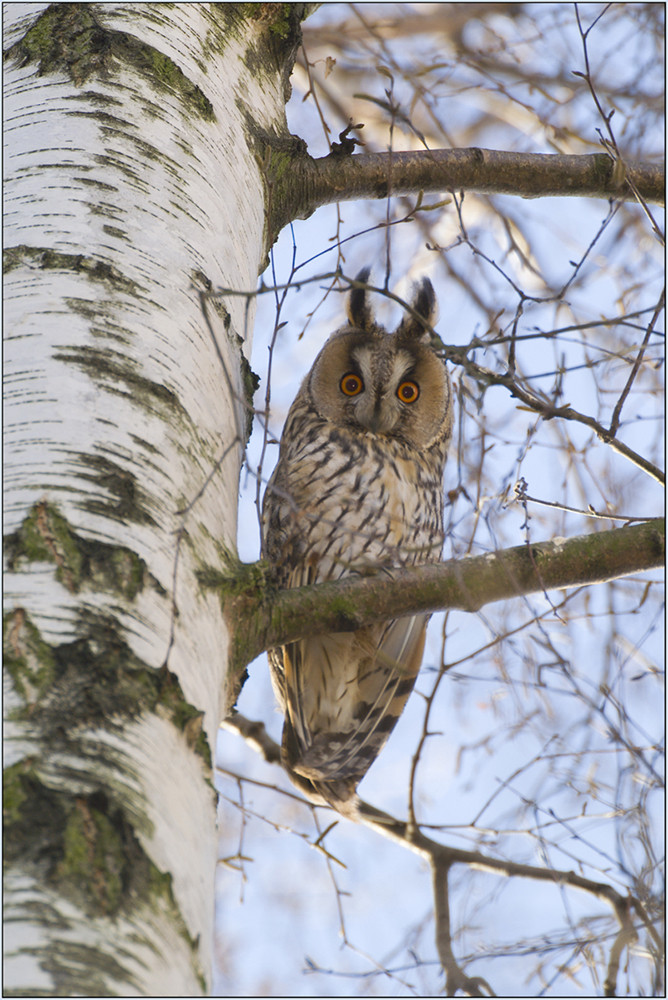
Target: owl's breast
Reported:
[(346, 502)]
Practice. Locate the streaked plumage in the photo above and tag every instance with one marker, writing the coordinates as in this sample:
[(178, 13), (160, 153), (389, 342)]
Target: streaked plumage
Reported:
[(357, 488)]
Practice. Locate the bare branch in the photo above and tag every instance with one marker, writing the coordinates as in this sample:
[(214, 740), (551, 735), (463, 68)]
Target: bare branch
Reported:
[(616, 416), (255, 735), (442, 857), (549, 411), (310, 183), (456, 979)]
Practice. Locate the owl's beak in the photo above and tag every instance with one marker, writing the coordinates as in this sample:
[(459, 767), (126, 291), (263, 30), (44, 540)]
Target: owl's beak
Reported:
[(377, 418)]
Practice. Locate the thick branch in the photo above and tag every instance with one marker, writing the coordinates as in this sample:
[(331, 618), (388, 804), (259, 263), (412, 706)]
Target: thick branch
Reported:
[(309, 183), (260, 621)]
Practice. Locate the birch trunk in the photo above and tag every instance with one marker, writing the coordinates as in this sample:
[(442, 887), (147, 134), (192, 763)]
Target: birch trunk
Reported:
[(132, 184)]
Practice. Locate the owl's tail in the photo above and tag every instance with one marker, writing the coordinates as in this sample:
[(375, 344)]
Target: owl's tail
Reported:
[(339, 792)]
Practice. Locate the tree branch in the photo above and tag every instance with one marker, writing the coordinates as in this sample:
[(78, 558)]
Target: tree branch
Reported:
[(456, 979), (260, 618), (310, 183), (442, 857)]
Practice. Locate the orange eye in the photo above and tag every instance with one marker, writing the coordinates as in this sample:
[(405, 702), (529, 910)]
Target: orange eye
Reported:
[(408, 392), (351, 384)]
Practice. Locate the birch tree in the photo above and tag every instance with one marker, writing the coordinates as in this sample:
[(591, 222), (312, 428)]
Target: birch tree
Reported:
[(149, 169), (134, 137)]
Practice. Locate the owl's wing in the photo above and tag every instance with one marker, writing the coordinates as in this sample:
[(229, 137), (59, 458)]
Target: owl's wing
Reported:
[(344, 693), (385, 691)]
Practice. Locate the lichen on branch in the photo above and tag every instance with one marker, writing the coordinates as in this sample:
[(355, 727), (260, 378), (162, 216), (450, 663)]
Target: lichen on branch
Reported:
[(260, 617)]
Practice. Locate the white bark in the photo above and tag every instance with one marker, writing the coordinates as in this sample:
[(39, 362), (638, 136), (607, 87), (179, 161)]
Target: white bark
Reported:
[(124, 198)]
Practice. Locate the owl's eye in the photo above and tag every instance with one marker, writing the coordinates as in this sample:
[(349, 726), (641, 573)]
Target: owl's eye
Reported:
[(408, 392), (351, 384)]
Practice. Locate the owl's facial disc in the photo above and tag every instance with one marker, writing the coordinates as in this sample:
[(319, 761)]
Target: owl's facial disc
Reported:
[(373, 382), (383, 389)]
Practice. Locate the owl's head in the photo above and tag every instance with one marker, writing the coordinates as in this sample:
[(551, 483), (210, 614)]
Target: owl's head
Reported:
[(380, 383)]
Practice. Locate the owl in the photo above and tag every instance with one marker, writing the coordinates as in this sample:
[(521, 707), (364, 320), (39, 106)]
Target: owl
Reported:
[(357, 490)]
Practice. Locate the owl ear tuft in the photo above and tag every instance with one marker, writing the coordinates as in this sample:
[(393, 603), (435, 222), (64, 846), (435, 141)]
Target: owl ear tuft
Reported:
[(359, 312), (424, 307)]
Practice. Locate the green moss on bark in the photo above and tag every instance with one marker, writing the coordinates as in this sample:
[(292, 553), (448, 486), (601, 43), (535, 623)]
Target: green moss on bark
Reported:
[(97, 852), (286, 169), (28, 660), (237, 579), (68, 38), (82, 845), (81, 564), (53, 260), (246, 592), (94, 681)]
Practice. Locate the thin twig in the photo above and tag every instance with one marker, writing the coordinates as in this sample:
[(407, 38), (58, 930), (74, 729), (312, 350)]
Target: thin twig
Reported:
[(617, 412)]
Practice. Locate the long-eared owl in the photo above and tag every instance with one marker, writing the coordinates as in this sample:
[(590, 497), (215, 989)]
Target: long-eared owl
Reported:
[(357, 489)]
